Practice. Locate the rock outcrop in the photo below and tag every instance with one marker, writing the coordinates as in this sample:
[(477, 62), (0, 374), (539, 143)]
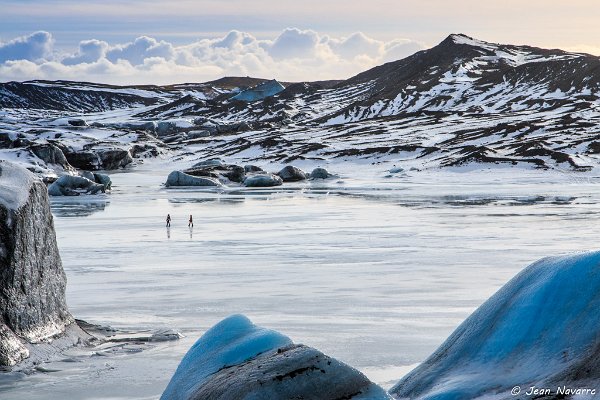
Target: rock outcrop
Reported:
[(237, 360), (33, 310)]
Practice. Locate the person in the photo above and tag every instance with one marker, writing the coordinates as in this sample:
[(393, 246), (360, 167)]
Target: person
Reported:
[(168, 220), (191, 222)]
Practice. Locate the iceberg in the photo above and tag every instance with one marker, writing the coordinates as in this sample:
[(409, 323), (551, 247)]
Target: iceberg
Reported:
[(239, 360), (540, 331)]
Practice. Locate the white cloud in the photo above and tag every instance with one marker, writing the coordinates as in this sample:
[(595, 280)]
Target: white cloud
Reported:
[(294, 55), (89, 51), (34, 47)]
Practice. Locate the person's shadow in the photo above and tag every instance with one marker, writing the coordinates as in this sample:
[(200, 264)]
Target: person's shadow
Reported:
[(168, 232), (191, 232)]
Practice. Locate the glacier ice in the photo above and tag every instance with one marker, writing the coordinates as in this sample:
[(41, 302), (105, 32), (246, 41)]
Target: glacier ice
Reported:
[(239, 360), (540, 329)]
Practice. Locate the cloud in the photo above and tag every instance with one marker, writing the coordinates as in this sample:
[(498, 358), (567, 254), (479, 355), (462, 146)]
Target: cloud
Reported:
[(34, 47), (89, 51), (140, 49), (293, 55)]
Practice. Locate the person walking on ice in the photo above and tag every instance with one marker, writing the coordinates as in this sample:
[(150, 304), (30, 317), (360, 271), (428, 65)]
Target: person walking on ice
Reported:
[(191, 222), (168, 220)]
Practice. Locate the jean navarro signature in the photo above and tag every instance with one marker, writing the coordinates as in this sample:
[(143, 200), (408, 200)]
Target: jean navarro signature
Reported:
[(560, 390)]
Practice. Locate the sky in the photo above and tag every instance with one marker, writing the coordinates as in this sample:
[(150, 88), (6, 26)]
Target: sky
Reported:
[(163, 42)]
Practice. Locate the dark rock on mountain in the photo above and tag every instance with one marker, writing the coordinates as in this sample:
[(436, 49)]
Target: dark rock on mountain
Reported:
[(68, 96), (34, 319)]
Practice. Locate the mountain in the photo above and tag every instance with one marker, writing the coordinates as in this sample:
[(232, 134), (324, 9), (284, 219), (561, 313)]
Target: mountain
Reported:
[(463, 101)]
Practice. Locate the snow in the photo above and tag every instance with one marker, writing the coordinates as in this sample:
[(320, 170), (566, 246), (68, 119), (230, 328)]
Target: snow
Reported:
[(15, 183), (536, 327), (232, 341)]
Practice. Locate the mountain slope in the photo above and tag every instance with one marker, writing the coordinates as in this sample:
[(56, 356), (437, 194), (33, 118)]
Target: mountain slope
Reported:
[(463, 101)]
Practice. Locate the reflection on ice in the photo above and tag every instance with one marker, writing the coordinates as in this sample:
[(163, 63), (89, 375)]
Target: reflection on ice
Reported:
[(82, 206)]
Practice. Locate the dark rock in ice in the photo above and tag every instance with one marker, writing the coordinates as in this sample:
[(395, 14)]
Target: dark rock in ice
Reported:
[(69, 185), (263, 180), (50, 154), (102, 158), (253, 168), (165, 128), (77, 122), (235, 173), (34, 319), (83, 159), (320, 173), (179, 178), (143, 150), (102, 179), (197, 134), (237, 360), (114, 158), (216, 168), (291, 174), (213, 162)]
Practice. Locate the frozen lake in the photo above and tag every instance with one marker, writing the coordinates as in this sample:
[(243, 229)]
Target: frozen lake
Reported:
[(375, 271)]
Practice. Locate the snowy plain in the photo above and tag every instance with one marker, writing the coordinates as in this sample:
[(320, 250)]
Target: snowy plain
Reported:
[(373, 268)]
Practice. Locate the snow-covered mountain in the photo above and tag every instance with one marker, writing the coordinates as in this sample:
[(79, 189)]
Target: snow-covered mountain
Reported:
[(462, 101)]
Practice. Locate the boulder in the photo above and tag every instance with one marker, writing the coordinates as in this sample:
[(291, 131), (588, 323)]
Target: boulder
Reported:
[(238, 360), (263, 180), (179, 178), (291, 174), (33, 312), (320, 173), (69, 185)]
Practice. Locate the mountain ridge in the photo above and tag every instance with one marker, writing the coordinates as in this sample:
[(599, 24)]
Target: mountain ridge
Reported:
[(460, 102)]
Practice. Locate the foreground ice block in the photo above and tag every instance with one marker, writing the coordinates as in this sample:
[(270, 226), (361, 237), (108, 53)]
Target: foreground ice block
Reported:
[(542, 330), (239, 360), (34, 319)]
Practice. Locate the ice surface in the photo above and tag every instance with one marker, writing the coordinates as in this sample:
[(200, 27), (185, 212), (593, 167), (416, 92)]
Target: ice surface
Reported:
[(376, 272)]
